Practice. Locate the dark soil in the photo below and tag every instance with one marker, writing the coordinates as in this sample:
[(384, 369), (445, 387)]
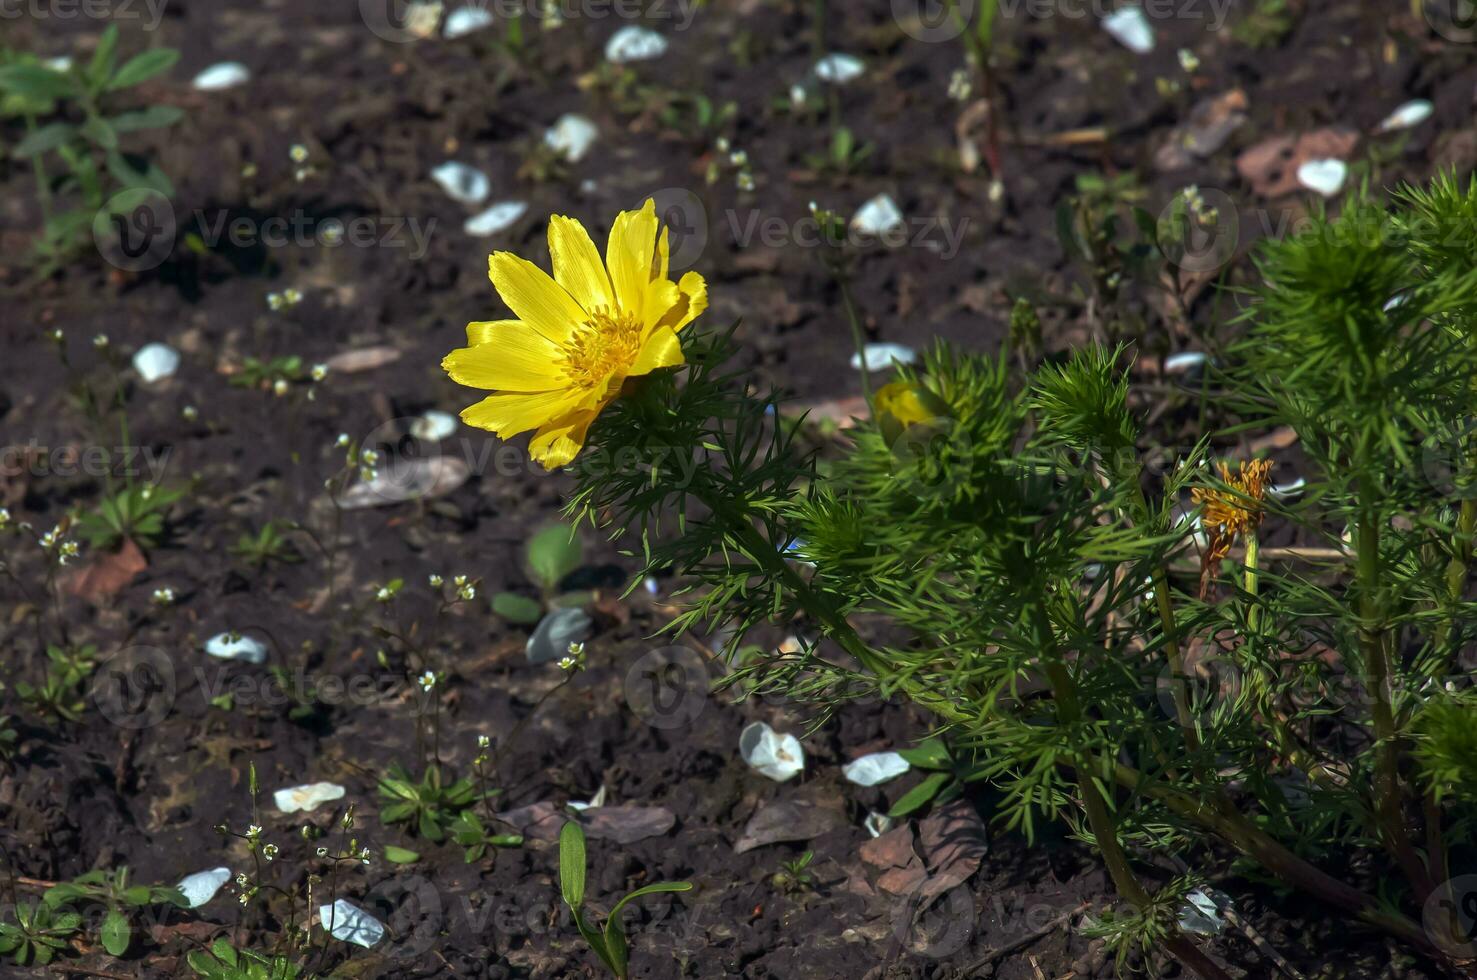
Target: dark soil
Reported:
[(376, 117)]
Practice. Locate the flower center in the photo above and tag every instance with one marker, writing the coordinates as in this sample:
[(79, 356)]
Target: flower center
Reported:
[(601, 348)]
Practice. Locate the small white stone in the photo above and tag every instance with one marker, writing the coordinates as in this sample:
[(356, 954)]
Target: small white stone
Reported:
[(227, 646), (434, 426), (838, 68), (201, 886), (571, 136), (226, 74), (466, 20), (880, 357), (632, 43), (1412, 113), (464, 184), (1184, 362), (307, 797), (875, 769), (877, 824), (1201, 914), (350, 924), (499, 217), (1131, 29), (155, 362), (1324, 176), (779, 757), (878, 216)]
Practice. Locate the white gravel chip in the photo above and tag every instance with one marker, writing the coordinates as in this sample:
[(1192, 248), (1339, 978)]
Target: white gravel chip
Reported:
[(571, 136), (348, 923), (838, 68), (1130, 28), (307, 797), (632, 43), (878, 216), (466, 20), (229, 646), (201, 886), (155, 362), (462, 183), (771, 754), (875, 769), (1327, 176), (226, 74), (1411, 114), (499, 217), (881, 357)]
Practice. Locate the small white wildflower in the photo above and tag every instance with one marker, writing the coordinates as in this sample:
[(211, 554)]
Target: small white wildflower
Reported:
[(342, 440), (292, 296), (100, 341), (798, 98), (245, 898), (739, 158), (4, 516), (164, 596), (1189, 61), (427, 681), (721, 144), (436, 580), (242, 881), (567, 663), (274, 301), (459, 581), (483, 741), (269, 852), (467, 592), (322, 852), (960, 86), (68, 552), (253, 832), (57, 335), (279, 387), (298, 153), (302, 173), (384, 594), (320, 371), (745, 181), (189, 413), (369, 457)]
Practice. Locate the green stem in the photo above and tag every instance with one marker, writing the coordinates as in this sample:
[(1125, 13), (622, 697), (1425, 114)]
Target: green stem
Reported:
[(1389, 805), (858, 335)]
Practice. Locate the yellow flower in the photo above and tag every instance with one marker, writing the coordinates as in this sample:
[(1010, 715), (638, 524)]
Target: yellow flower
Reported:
[(1226, 513), (578, 335), (900, 405)]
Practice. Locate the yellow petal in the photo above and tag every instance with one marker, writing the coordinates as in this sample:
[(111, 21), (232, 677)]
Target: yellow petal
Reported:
[(691, 301), (513, 359), (662, 349), (557, 443), (663, 255), (629, 255), (661, 296), (577, 265), (481, 331), (537, 300), (508, 415)]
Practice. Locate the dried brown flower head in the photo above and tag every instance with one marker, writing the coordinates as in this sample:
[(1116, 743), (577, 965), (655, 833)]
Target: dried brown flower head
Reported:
[(1229, 511)]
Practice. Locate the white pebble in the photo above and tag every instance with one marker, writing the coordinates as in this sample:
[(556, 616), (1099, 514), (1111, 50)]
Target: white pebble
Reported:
[(434, 426), (155, 362), (226, 74), (838, 69), (880, 357), (1131, 29), (779, 757), (632, 43), (1412, 113), (201, 886), (1324, 176), (350, 924), (499, 217), (307, 797), (466, 20), (229, 646), (571, 136), (878, 216), (875, 769), (462, 183)]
